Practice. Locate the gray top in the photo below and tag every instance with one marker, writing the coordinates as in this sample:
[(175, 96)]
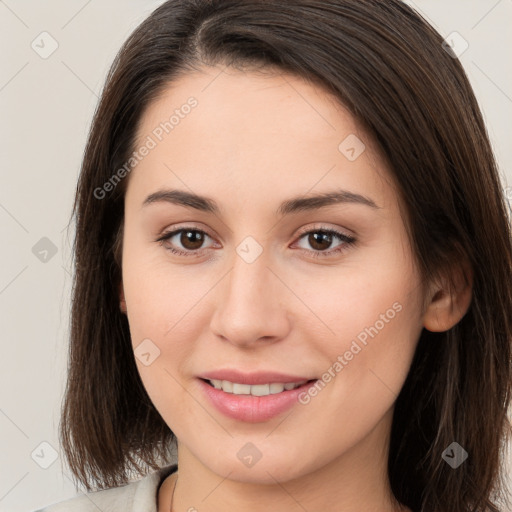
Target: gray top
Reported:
[(138, 496)]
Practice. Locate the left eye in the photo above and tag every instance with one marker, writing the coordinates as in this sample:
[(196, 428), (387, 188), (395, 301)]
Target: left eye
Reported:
[(192, 239), (319, 238)]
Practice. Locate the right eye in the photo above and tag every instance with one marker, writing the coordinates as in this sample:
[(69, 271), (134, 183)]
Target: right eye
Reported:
[(190, 239)]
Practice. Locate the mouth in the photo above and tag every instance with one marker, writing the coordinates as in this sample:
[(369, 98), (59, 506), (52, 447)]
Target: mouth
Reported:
[(271, 388), (253, 403)]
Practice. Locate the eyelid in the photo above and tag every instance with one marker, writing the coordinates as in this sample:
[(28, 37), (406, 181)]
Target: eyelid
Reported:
[(166, 234), (306, 229), (323, 227), (347, 239), (186, 226)]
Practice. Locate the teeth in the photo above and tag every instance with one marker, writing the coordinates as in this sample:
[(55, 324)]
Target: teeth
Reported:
[(256, 389)]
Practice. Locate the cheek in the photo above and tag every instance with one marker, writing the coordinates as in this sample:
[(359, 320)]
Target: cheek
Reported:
[(159, 303), (375, 336), (367, 363), (155, 292), (373, 313), (374, 294)]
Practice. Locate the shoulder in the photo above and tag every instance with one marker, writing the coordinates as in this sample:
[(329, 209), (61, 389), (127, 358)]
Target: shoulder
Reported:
[(140, 495)]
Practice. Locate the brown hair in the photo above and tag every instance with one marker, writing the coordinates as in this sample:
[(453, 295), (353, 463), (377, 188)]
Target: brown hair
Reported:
[(386, 64)]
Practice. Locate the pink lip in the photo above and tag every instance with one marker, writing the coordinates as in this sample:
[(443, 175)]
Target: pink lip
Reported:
[(253, 409), (252, 378)]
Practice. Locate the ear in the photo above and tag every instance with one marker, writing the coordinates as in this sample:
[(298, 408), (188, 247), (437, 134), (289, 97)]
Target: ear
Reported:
[(122, 301), (448, 303)]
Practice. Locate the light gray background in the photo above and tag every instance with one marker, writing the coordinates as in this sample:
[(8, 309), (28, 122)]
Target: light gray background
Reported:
[(47, 106)]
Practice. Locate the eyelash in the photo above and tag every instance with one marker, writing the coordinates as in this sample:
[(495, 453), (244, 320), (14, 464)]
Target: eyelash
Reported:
[(348, 241)]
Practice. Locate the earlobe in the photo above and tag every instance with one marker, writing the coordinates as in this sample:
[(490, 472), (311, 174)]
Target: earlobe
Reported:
[(122, 301), (448, 304)]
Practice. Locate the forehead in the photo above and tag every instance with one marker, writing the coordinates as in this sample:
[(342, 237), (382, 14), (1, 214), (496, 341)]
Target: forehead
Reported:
[(263, 102), (258, 132)]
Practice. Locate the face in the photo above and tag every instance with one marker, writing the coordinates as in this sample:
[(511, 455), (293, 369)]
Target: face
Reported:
[(322, 291)]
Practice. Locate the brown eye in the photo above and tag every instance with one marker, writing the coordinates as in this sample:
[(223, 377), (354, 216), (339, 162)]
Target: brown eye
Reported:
[(191, 239), (320, 240), (184, 241)]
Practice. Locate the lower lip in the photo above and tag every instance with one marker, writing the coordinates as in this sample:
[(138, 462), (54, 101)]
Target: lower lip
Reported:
[(253, 409)]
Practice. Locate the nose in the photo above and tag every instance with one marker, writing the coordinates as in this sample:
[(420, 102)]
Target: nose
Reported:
[(251, 304)]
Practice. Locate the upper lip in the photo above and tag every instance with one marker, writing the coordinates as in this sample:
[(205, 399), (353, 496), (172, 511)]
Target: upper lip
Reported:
[(261, 377)]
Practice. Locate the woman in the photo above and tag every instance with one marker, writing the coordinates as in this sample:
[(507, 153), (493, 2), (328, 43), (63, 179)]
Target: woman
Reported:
[(293, 260)]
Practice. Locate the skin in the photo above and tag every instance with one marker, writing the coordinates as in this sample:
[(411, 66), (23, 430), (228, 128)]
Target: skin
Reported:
[(254, 140)]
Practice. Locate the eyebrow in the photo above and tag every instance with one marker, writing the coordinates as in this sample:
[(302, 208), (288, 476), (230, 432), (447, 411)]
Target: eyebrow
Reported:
[(293, 205)]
